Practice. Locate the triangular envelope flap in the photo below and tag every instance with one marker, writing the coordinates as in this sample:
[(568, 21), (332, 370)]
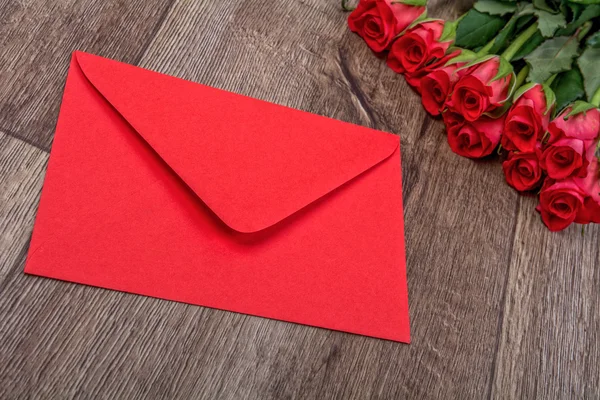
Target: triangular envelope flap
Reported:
[(252, 162)]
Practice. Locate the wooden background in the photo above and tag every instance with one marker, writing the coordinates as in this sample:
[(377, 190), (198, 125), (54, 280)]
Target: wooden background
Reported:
[(500, 307)]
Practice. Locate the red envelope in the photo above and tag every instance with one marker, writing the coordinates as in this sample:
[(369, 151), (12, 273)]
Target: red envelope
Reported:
[(171, 189)]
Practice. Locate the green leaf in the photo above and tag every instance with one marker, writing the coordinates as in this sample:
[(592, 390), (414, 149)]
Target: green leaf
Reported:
[(550, 97), (548, 23), (579, 107), (465, 56), (505, 35), (522, 90), (588, 13), (524, 21), (504, 69), (530, 46), (594, 40), (589, 64), (568, 87), (494, 7), (449, 32), (586, 1), (553, 56), (412, 2), (543, 5), (477, 29), (477, 60)]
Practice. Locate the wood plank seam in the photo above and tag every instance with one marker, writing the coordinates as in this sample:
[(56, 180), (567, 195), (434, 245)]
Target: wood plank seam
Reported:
[(501, 313), (21, 138)]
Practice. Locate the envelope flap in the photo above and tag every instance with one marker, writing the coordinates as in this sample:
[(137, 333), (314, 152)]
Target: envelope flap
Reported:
[(253, 163)]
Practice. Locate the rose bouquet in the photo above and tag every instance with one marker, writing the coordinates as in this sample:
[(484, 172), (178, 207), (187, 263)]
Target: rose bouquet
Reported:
[(508, 78)]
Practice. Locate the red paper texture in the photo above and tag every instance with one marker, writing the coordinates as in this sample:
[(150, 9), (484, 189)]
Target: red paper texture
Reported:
[(171, 189)]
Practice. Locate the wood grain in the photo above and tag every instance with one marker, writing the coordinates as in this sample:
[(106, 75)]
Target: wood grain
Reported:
[(500, 307), (21, 174), (550, 344), (37, 38)]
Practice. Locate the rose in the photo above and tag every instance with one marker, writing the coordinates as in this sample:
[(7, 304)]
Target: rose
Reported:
[(475, 139), (522, 171), (572, 144), (378, 22), (590, 212), (560, 203), (417, 47), (564, 158), (452, 120), (414, 79), (437, 85), (526, 121), (478, 91)]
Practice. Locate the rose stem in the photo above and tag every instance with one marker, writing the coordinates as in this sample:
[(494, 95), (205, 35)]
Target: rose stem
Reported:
[(550, 80), (521, 76), (510, 52), (485, 49), (583, 30), (595, 100)]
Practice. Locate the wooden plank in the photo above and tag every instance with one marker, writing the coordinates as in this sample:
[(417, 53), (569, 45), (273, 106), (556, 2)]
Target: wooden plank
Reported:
[(22, 170), (459, 227), (37, 40), (550, 344)]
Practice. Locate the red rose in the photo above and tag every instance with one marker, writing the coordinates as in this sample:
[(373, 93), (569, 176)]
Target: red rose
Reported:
[(437, 85), (572, 144), (378, 22), (414, 79), (564, 158), (522, 171), (475, 139), (417, 47), (590, 212), (560, 203), (477, 92), (527, 121), (452, 120)]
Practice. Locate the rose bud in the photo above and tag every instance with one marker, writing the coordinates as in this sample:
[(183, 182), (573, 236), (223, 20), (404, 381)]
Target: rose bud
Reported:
[(478, 91), (378, 22), (437, 85), (590, 212), (572, 144), (527, 120), (560, 203), (522, 171), (417, 47), (476, 139)]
